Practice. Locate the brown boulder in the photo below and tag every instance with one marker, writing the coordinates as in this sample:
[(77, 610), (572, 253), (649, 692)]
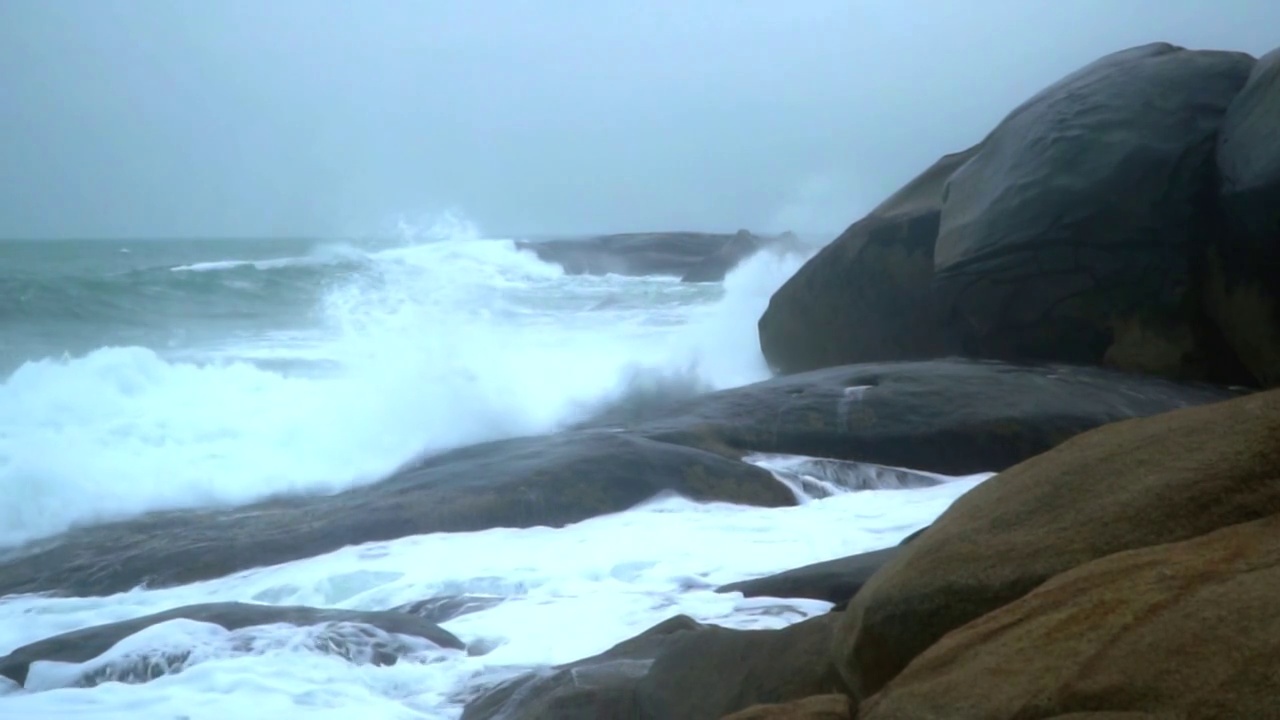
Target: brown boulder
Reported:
[(1127, 485), (866, 296), (1188, 628), (818, 707)]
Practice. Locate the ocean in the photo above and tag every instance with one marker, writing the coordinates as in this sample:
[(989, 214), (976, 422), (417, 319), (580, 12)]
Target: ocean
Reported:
[(160, 374)]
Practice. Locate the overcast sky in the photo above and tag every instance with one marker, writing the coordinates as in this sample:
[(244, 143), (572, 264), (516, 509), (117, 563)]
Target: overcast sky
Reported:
[(325, 117)]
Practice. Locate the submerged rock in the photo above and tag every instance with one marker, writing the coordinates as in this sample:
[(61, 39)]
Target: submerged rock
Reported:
[(447, 607), (1128, 485), (673, 671), (86, 644)]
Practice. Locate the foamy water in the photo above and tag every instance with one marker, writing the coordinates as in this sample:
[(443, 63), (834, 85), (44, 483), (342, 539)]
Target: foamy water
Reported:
[(572, 592), (427, 345)]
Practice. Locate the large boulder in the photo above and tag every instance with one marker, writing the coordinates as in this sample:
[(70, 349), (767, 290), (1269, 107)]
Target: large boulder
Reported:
[(1244, 284), (1076, 232), (522, 482), (79, 646), (866, 297), (700, 257), (1186, 629), (1127, 485), (678, 670), (955, 417)]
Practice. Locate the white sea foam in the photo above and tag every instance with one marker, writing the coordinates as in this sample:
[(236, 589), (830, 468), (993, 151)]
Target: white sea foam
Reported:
[(439, 342), (572, 592)]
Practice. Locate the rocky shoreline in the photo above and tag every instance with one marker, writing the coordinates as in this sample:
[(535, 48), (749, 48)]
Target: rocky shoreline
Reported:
[(1086, 302)]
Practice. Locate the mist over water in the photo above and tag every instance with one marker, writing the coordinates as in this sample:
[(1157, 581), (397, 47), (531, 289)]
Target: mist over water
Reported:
[(332, 366)]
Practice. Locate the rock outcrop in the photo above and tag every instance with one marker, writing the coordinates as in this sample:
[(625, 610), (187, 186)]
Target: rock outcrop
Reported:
[(1186, 629), (867, 296), (833, 581), (1244, 258), (522, 482), (1129, 485), (951, 417), (676, 670), (693, 257), (1074, 234), (1125, 216), (955, 417)]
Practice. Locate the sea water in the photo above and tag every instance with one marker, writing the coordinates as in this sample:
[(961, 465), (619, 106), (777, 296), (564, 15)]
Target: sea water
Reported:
[(159, 374)]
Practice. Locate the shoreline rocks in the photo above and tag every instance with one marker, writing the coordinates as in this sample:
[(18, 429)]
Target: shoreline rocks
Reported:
[(1128, 485), (1126, 217), (954, 417)]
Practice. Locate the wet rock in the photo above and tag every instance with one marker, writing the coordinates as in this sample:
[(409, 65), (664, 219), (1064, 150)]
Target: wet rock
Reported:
[(86, 644), (955, 417), (522, 482), (867, 296), (1076, 232), (950, 417), (1128, 485), (678, 670), (1085, 640), (833, 581), (1244, 259)]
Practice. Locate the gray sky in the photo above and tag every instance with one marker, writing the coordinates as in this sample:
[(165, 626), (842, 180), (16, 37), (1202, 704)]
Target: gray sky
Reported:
[(328, 117)]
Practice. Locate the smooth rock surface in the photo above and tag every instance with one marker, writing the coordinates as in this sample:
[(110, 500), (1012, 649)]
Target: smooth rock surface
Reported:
[(950, 417), (1076, 232), (1244, 259), (954, 417), (833, 581), (867, 296), (1127, 485), (523, 482), (1186, 629), (677, 670)]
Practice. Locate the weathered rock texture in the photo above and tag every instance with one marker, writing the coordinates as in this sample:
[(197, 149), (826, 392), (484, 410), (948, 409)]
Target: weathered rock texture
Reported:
[(1128, 485), (1127, 216)]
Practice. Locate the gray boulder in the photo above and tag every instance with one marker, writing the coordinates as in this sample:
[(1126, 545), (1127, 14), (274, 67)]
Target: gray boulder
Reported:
[(1076, 231), (1244, 260)]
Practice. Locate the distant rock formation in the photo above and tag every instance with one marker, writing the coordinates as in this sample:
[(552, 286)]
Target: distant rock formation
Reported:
[(692, 257)]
